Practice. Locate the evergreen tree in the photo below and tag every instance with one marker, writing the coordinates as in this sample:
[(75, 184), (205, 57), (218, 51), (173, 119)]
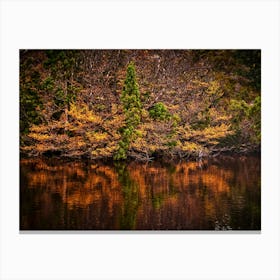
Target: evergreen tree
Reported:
[(30, 102), (130, 98)]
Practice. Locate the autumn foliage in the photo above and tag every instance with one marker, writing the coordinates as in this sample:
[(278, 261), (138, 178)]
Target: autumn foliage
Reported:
[(139, 104)]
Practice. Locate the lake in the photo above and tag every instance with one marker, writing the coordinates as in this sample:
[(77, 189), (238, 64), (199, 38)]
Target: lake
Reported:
[(216, 194)]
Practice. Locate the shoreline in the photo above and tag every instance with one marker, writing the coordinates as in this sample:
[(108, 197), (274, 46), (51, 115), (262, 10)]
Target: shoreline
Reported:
[(222, 153)]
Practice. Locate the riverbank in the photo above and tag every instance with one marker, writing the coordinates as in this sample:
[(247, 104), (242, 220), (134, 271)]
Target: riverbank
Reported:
[(168, 156)]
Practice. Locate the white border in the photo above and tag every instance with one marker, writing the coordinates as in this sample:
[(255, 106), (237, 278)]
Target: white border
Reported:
[(135, 24)]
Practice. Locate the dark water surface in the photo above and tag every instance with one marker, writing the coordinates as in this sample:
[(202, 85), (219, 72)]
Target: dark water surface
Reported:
[(216, 194)]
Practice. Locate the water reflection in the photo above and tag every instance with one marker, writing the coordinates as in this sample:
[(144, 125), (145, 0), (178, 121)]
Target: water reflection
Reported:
[(220, 194)]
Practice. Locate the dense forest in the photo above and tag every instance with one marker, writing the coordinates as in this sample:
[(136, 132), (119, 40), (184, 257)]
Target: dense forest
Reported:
[(139, 104)]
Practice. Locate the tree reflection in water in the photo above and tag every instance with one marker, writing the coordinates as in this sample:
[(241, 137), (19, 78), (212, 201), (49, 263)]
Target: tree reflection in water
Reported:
[(213, 194), (130, 192)]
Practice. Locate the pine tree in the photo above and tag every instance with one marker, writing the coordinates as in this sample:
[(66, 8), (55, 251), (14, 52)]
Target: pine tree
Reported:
[(130, 98), (30, 101)]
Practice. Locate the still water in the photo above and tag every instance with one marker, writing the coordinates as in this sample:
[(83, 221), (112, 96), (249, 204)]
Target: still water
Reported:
[(216, 194)]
